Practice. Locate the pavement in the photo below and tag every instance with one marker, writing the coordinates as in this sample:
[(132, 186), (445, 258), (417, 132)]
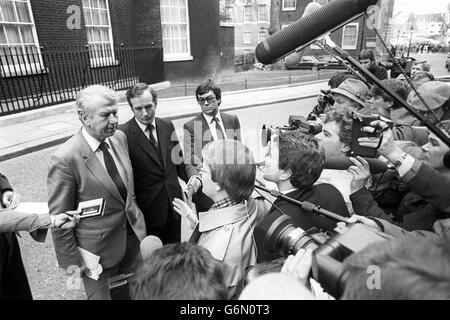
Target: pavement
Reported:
[(34, 130)]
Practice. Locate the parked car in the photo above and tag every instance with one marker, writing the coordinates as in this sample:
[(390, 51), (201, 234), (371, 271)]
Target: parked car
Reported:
[(332, 63), (295, 61)]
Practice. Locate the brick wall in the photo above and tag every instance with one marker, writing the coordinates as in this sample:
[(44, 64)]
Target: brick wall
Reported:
[(204, 34)]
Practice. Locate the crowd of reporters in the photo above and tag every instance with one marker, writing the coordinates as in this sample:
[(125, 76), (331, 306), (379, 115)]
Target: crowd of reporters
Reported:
[(227, 256)]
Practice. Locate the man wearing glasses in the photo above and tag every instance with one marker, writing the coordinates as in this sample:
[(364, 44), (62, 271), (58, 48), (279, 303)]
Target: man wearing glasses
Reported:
[(157, 163), (209, 125)]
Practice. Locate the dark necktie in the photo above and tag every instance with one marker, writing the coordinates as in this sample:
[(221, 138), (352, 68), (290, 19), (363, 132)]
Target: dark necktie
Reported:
[(151, 128), (218, 129), (113, 171)]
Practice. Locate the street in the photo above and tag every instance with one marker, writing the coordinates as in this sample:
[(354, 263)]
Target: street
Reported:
[(27, 174), (437, 61)]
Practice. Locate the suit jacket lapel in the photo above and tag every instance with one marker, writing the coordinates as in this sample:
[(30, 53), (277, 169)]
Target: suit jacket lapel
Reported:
[(205, 135), (163, 138), (144, 142), (228, 126), (96, 168), (126, 165)]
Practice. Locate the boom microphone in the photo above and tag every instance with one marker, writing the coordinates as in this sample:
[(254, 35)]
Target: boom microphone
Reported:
[(343, 163), (309, 28)]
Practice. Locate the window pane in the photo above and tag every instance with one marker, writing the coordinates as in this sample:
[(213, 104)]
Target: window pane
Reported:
[(95, 18), (94, 3), (90, 37), (27, 34), (2, 35), (97, 36), (22, 10), (9, 13), (13, 34), (102, 4), (104, 17), (105, 34), (87, 17), (86, 3)]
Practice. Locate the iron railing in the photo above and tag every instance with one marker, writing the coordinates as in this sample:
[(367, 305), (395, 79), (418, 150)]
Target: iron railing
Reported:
[(32, 78)]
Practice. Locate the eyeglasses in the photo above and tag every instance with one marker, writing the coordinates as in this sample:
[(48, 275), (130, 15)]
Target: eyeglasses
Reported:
[(210, 99)]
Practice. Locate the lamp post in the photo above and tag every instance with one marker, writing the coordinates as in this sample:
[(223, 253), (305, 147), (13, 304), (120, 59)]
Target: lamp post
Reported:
[(410, 39)]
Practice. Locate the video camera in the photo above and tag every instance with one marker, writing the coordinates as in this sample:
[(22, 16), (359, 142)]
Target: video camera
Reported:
[(298, 123), (283, 237)]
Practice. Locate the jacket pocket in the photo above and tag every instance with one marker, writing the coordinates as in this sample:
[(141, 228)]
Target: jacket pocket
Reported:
[(88, 234)]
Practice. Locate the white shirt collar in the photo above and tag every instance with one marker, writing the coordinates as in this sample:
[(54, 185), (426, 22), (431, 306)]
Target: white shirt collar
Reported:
[(144, 126), (209, 118), (91, 141), (288, 191)]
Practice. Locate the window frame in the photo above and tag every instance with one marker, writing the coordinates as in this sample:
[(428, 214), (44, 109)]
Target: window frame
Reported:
[(169, 57), (250, 37), (284, 8), (98, 62), (251, 16), (265, 13), (22, 69), (350, 47)]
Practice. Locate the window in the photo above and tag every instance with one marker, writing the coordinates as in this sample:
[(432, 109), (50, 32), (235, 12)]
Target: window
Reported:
[(175, 30), (19, 46), (99, 33), (247, 14), (262, 13), (321, 2), (289, 5), (247, 37), (350, 36), (228, 14), (261, 35)]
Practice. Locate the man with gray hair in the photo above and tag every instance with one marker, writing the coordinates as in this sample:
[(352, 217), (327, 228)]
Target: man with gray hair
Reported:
[(94, 164)]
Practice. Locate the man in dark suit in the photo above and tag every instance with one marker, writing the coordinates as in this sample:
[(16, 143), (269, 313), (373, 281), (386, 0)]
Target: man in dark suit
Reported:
[(157, 163), (93, 164), (209, 125)]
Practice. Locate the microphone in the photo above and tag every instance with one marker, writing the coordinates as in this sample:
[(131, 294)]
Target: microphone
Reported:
[(149, 245), (308, 28), (343, 163)]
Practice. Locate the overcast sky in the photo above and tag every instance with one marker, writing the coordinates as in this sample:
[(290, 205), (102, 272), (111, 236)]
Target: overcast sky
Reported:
[(420, 6)]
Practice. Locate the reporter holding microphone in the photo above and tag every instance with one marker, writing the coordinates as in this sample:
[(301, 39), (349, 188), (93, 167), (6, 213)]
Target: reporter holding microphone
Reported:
[(13, 279)]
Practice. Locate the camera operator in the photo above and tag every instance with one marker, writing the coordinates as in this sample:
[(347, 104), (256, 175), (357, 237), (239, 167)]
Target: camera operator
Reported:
[(13, 279), (367, 60), (429, 177), (294, 164), (382, 104), (325, 100), (436, 94)]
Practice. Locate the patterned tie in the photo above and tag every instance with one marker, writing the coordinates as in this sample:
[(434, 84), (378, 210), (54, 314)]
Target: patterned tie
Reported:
[(150, 129), (113, 171), (218, 128)]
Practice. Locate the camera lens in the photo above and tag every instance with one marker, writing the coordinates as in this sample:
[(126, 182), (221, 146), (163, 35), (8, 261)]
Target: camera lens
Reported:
[(283, 237)]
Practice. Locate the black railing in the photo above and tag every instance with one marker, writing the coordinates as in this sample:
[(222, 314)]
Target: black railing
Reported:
[(244, 62), (32, 79)]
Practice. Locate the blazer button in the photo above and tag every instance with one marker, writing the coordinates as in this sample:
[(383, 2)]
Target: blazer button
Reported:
[(124, 226)]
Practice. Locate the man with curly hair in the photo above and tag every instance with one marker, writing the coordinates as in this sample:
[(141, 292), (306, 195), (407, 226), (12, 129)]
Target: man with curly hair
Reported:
[(294, 164)]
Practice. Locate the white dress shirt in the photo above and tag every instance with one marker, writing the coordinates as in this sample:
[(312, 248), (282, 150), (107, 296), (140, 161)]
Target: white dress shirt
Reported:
[(146, 131), (212, 125), (94, 144)]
